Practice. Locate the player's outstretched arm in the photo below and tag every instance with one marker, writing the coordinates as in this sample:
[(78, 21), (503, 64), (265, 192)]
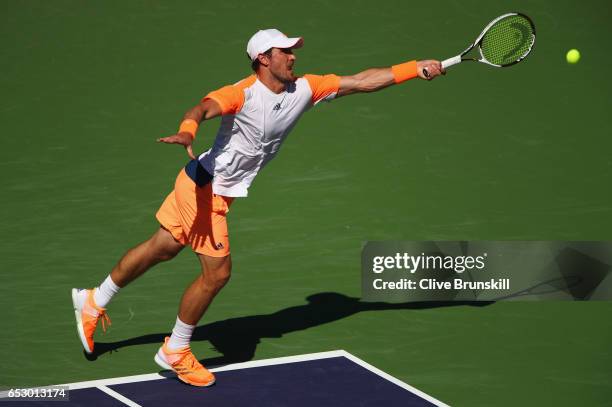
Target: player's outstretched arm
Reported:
[(205, 110), (375, 79)]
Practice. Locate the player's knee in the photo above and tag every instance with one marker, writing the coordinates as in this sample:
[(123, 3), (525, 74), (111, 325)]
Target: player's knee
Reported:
[(162, 252), (158, 254), (220, 274), (216, 271), (223, 275), (163, 246), (222, 280), (165, 255)]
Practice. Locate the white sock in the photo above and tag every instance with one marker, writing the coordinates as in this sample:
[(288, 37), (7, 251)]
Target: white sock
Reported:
[(181, 335), (104, 293)]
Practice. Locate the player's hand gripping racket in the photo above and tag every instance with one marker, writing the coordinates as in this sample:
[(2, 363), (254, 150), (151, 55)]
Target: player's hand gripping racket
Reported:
[(505, 41)]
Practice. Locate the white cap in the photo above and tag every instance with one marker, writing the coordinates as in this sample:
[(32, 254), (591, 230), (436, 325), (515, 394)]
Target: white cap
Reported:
[(263, 40)]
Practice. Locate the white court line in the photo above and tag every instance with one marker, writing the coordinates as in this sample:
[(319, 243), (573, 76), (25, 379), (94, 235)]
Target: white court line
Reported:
[(118, 396), (101, 384), (235, 366), (281, 361), (392, 379)]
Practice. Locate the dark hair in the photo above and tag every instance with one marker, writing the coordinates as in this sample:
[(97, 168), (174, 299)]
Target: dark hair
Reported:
[(255, 64)]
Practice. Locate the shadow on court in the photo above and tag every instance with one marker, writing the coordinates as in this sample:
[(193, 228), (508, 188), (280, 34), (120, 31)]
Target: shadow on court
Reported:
[(237, 338)]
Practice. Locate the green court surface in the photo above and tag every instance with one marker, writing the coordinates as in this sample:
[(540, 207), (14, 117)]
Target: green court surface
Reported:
[(520, 153)]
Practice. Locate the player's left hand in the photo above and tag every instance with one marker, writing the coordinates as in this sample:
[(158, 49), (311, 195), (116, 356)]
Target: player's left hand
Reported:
[(429, 69), (183, 139)]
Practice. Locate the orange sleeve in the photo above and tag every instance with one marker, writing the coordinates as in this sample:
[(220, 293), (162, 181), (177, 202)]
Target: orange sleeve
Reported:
[(322, 86), (231, 98)]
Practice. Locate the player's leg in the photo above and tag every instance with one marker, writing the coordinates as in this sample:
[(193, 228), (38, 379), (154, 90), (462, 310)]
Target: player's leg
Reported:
[(203, 224), (215, 274), (89, 304), (176, 354), (166, 243), (160, 247)]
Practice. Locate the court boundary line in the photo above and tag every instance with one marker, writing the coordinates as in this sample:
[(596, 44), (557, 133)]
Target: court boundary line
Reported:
[(392, 379), (235, 366), (118, 396), (102, 384)]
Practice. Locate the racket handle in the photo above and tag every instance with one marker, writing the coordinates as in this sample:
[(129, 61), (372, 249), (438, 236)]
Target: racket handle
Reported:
[(451, 61)]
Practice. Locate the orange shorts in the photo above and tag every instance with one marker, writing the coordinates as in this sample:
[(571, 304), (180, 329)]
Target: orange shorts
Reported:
[(196, 216)]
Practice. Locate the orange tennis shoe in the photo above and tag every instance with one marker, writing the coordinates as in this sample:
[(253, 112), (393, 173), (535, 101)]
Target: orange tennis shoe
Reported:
[(87, 314), (184, 364)]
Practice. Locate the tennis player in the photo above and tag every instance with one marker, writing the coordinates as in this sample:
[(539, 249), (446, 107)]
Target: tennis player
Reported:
[(258, 113)]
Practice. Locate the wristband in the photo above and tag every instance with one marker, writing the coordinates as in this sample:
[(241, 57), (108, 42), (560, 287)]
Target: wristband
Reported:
[(405, 71), (189, 126)]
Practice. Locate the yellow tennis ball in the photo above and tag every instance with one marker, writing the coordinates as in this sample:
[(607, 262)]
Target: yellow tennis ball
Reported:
[(572, 56)]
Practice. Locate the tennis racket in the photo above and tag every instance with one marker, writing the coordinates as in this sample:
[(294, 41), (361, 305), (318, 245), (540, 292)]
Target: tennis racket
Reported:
[(505, 41)]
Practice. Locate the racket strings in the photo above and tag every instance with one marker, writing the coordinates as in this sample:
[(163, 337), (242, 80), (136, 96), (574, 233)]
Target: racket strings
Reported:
[(507, 41)]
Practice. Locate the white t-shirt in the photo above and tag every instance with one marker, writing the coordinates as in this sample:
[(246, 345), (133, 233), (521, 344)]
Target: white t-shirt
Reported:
[(255, 122)]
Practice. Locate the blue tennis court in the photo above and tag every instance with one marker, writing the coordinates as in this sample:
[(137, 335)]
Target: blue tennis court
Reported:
[(334, 378)]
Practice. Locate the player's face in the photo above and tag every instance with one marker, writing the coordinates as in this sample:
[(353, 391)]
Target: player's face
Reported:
[(281, 64)]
